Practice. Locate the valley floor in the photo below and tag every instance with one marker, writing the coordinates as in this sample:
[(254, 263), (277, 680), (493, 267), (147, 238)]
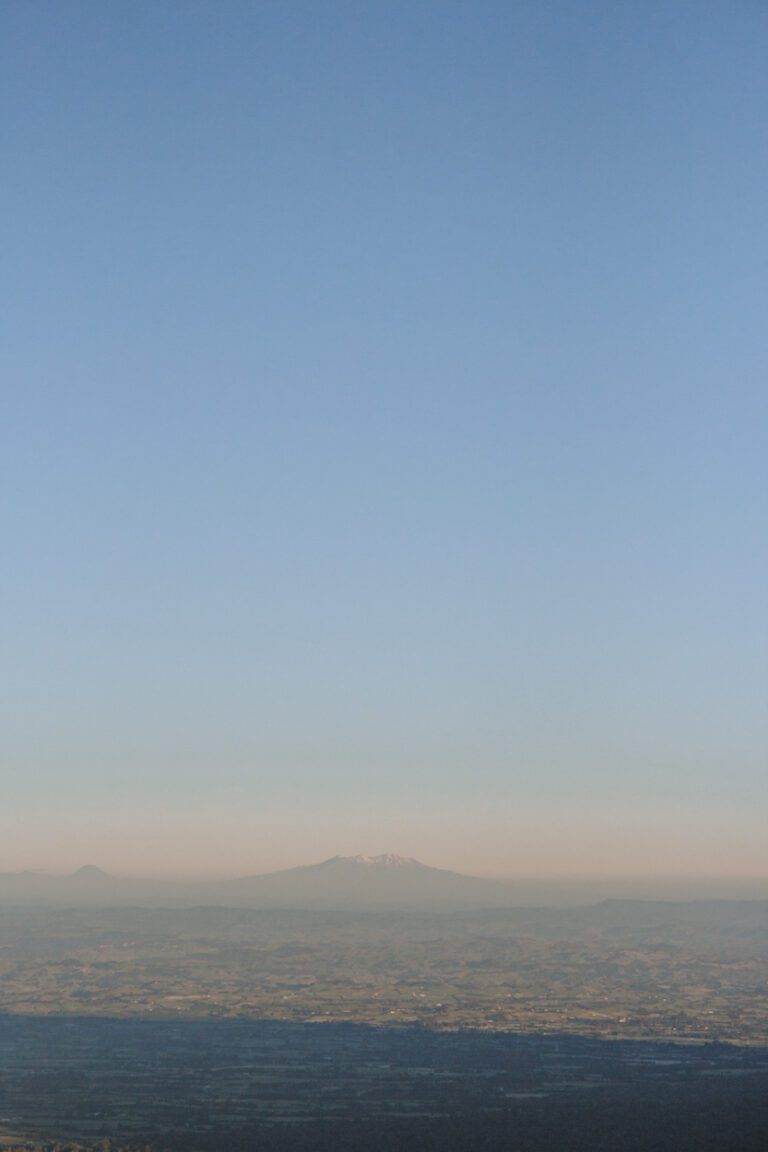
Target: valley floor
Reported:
[(231, 1084)]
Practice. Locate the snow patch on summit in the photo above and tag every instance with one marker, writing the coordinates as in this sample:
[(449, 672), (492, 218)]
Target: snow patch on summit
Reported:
[(385, 860)]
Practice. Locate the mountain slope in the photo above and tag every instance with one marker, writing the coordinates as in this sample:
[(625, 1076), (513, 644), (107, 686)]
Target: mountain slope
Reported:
[(387, 881)]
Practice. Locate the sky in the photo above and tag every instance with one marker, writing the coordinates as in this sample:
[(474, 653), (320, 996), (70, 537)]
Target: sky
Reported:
[(383, 435)]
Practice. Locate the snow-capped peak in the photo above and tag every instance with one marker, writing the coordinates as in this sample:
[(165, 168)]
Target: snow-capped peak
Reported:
[(385, 860)]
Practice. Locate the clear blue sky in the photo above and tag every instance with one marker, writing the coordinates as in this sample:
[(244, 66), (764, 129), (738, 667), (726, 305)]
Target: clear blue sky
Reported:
[(383, 434)]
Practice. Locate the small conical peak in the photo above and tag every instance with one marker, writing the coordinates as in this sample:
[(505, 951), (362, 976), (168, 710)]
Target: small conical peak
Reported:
[(90, 872)]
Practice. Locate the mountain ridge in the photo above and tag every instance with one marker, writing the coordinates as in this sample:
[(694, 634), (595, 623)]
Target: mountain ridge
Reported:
[(360, 882), (387, 880)]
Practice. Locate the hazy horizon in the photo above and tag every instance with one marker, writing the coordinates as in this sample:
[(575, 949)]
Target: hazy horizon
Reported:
[(383, 437), (607, 878)]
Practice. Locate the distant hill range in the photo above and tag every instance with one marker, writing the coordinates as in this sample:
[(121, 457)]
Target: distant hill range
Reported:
[(341, 882), (387, 881)]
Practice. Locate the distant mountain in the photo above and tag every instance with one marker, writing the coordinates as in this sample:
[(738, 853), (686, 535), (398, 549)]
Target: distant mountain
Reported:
[(92, 876), (359, 882), (387, 881), (88, 885)]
